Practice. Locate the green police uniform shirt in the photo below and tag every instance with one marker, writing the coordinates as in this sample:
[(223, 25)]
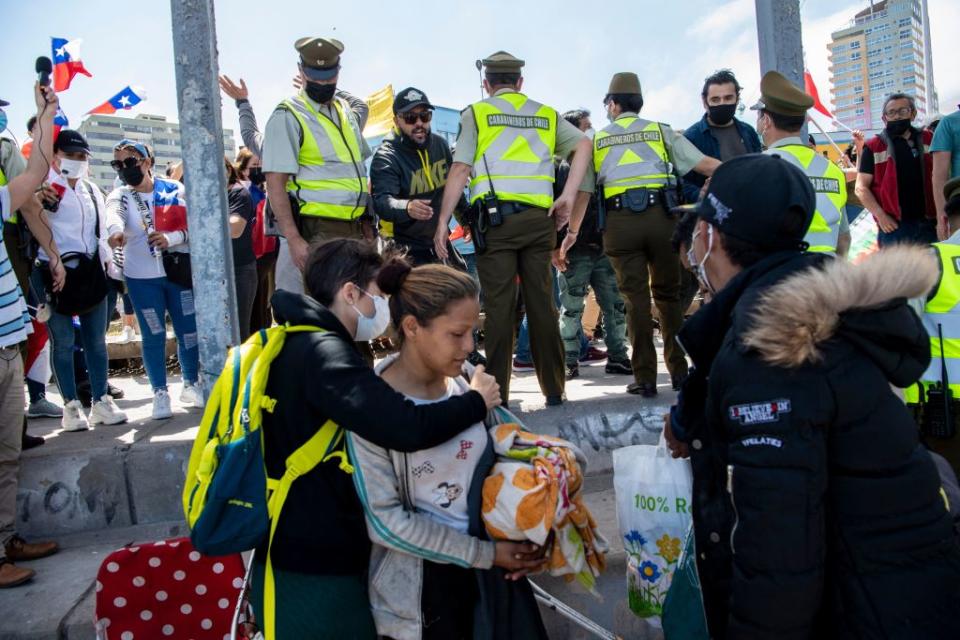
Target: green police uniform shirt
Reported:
[(567, 138)]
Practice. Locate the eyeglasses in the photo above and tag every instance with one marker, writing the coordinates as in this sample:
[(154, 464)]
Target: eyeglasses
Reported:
[(423, 116), (903, 112), (126, 163)]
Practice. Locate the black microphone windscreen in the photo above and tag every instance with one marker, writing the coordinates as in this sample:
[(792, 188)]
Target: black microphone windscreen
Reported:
[(44, 64)]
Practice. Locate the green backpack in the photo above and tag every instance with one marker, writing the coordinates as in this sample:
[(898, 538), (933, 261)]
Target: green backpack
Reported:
[(229, 502)]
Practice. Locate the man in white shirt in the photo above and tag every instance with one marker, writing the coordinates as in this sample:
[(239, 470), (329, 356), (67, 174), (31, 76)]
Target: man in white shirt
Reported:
[(14, 327)]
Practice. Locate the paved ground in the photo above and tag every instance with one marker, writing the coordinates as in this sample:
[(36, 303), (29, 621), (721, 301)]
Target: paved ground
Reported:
[(97, 490)]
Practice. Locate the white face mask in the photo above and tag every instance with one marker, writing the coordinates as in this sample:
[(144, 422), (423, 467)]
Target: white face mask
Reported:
[(73, 169), (590, 133), (699, 266), (369, 328)]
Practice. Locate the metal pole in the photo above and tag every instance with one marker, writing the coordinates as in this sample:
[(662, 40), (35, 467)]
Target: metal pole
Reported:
[(781, 45), (201, 134)]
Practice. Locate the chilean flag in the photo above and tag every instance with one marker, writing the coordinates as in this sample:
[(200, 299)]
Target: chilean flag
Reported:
[(59, 122), (170, 210), (66, 62), (128, 97), (811, 89)]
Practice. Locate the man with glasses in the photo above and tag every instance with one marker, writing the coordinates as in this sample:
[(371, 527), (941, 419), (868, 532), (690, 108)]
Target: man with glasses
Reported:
[(895, 182), (407, 176), (313, 150)]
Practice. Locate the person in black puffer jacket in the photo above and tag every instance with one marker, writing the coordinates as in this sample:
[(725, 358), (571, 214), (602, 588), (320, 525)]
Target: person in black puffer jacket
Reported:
[(817, 513), (407, 175)]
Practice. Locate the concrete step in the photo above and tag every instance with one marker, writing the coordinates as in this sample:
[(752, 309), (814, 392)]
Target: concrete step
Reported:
[(133, 349)]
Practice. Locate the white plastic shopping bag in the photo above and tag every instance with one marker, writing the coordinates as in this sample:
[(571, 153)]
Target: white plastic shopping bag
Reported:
[(653, 507)]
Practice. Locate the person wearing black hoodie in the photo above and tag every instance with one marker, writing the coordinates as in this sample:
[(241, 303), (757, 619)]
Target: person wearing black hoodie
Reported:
[(321, 550), (816, 511), (407, 175)]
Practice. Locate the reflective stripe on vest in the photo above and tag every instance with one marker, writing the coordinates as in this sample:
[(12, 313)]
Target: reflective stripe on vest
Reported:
[(331, 181), (517, 136), (630, 153), (830, 186), (942, 312), (3, 182)]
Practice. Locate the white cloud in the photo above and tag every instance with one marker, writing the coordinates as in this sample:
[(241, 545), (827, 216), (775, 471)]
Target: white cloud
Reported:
[(944, 19)]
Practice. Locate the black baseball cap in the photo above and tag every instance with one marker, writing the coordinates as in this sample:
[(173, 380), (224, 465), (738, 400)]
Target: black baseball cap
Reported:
[(4, 103), (71, 141), (749, 196), (410, 98)]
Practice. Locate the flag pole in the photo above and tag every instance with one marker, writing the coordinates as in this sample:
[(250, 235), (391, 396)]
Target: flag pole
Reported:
[(829, 139)]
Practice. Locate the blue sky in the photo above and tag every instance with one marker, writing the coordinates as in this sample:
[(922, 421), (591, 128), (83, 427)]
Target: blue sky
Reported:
[(571, 52)]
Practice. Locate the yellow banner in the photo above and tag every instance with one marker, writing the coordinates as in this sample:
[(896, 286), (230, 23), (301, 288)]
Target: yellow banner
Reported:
[(380, 120)]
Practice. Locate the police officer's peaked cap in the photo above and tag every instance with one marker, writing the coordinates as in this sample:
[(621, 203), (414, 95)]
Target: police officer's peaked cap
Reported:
[(951, 190), (779, 95), (320, 54), (624, 83), (502, 62)]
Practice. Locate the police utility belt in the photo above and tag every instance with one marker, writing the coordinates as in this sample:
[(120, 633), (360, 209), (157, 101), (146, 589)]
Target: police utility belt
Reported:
[(638, 200)]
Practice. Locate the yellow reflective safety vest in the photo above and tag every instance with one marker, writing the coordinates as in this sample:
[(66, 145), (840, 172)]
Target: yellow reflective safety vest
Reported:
[(942, 312), (630, 153), (331, 181), (3, 182), (516, 138), (830, 185)]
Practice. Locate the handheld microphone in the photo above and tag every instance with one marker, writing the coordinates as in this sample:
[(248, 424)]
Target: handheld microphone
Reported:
[(43, 68)]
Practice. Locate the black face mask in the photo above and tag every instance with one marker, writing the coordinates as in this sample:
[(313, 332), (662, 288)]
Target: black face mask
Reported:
[(898, 127), (132, 176), (322, 93), (256, 176), (721, 114)]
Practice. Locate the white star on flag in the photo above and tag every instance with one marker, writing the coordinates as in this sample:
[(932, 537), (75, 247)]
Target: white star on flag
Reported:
[(59, 52), (124, 100)]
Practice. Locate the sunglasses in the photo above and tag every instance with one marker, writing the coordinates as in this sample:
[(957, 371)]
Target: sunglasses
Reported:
[(423, 116), (126, 163)]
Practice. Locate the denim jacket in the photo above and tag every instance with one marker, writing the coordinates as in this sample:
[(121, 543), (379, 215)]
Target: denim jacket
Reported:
[(702, 138)]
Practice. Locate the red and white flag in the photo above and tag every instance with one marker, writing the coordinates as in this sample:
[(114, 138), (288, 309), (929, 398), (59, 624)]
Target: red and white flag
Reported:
[(811, 88)]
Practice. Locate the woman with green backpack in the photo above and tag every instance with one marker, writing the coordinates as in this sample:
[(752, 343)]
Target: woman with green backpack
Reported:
[(320, 550)]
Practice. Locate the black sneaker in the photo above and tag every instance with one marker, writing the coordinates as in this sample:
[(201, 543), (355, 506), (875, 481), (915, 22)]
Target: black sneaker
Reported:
[(554, 401), (29, 442), (645, 389), (114, 392), (620, 367), (573, 371), (677, 381)]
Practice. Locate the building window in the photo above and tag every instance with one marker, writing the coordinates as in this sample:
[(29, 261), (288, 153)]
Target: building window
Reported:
[(858, 112), (855, 44)]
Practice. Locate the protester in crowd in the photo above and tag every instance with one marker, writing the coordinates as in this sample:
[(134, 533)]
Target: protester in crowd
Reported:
[(781, 114), (135, 212), (313, 149), (265, 248), (75, 210), (321, 552), (249, 131), (18, 194), (945, 149), (718, 134), (586, 266), (895, 182), (802, 453), (940, 315), (407, 175), (242, 219), (426, 527)]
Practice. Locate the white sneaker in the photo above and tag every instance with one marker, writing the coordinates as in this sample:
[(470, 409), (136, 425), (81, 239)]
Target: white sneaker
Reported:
[(73, 418), (127, 334), (105, 411), (43, 408), (191, 396), (161, 405)]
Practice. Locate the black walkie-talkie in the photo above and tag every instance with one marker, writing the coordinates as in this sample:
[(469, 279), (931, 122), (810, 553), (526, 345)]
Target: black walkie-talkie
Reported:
[(938, 419)]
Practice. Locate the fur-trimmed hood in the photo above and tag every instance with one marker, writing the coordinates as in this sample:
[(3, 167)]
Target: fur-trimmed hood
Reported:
[(797, 315)]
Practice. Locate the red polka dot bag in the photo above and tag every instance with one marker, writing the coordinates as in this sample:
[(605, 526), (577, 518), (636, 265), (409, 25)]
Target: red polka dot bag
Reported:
[(167, 589)]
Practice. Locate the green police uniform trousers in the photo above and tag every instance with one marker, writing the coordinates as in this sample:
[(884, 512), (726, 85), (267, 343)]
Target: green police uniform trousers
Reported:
[(521, 246), (639, 247)]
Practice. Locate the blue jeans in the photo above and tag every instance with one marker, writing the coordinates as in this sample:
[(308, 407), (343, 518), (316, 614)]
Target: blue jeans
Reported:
[(911, 231), (63, 338), (153, 299), (523, 336)]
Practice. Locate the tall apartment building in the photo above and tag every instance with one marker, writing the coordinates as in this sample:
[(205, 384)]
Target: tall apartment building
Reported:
[(103, 132), (885, 49)]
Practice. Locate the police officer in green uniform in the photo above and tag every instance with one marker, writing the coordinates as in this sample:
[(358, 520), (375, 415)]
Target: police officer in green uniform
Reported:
[(313, 149), (637, 162), (941, 317), (782, 113), (505, 151)]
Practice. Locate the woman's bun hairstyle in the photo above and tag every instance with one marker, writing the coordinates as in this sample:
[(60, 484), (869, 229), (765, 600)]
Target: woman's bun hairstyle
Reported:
[(392, 275)]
